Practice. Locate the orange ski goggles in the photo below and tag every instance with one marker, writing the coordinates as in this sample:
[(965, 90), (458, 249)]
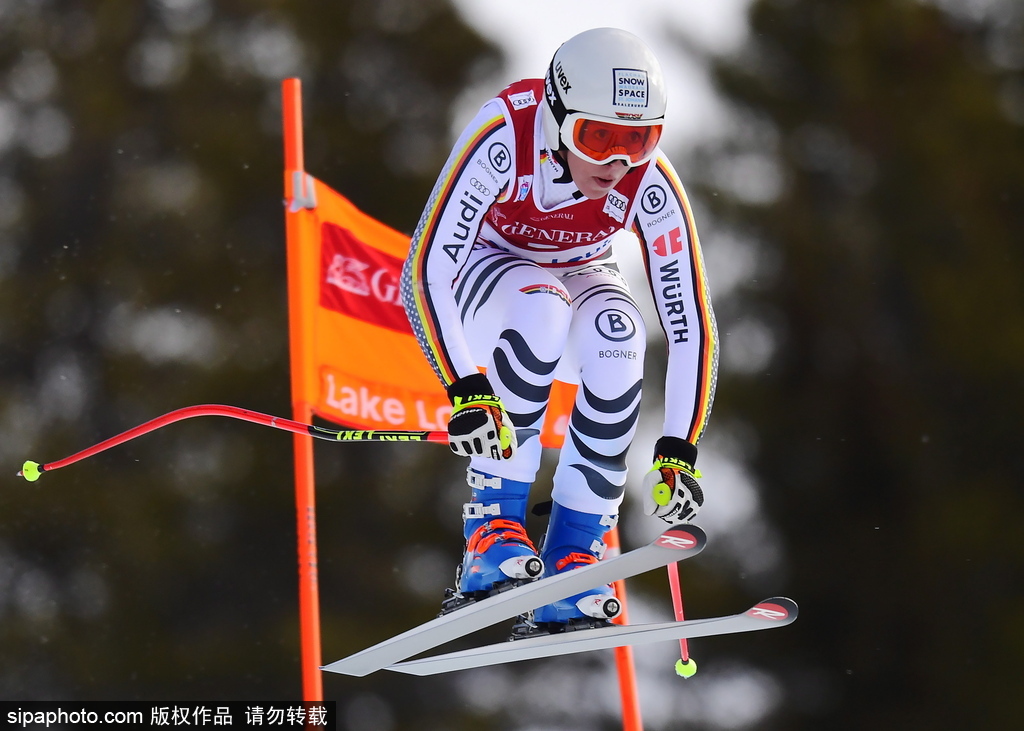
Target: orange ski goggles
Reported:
[(603, 141)]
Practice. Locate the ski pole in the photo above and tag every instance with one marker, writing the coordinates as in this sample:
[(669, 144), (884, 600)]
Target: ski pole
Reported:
[(686, 666), (31, 471)]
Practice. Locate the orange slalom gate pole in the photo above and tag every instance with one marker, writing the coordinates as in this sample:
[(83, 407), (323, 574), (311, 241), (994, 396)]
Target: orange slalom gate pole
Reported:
[(309, 589), (305, 485), (631, 719)]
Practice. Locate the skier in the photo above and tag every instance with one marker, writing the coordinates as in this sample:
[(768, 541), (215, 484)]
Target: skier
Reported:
[(511, 270)]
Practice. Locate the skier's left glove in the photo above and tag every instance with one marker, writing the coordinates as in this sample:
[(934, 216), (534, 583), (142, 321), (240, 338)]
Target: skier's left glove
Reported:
[(670, 489), (479, 425)]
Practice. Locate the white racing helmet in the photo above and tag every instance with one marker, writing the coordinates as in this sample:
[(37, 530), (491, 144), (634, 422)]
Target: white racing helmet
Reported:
[(605, 97)]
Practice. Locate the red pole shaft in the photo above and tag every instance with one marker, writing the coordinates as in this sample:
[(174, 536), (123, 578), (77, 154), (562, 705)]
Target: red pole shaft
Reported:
[(677, 605), (276, 422), (170, 417)]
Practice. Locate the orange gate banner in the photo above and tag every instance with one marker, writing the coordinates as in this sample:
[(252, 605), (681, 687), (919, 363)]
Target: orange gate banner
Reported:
[(363, 365)]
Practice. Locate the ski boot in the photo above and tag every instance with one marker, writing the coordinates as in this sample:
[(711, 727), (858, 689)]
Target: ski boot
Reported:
[(499, 554), (573, 540)]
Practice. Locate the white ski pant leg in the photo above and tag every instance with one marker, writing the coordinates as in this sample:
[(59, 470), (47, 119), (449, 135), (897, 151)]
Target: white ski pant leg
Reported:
[(516, 317), (605, 355)]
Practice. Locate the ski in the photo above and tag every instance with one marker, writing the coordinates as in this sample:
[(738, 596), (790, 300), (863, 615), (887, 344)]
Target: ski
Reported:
[(771, 613), (675, 544)]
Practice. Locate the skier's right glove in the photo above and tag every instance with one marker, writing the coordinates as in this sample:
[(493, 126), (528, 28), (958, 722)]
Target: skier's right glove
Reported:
[(479, 425), (670, 489)]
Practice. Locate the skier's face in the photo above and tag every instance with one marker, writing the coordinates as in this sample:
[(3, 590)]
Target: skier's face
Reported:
[(595, 180)]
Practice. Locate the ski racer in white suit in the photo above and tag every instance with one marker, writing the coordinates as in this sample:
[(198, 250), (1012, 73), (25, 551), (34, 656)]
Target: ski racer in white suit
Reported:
[(511, 270)]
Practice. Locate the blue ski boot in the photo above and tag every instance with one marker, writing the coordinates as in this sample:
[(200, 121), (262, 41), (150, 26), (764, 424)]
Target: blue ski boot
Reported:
[(573, 540), (499, 554)]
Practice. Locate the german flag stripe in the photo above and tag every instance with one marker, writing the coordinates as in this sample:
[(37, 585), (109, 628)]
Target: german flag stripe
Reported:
[(425, 242), (707, 369)]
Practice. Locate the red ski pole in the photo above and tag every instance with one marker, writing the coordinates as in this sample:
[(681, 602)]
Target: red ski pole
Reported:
[(686, 666), (31, 471)]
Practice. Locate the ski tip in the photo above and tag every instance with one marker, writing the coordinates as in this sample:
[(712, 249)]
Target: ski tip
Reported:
[(683, 537), (30, 471), (777, 609), (686, 669)]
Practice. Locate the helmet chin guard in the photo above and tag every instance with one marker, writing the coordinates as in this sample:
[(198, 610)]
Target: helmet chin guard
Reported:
[(607, 75)]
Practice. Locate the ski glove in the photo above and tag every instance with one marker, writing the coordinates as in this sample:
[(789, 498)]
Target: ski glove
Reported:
[(670, 489), (479, 425)]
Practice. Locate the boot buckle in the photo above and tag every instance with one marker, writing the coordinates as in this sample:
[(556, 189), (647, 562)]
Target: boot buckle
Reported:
[(479, 481), (474, 511)]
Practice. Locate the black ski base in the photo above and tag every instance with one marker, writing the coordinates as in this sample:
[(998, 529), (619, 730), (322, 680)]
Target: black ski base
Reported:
[(455, 600), (525, 627)]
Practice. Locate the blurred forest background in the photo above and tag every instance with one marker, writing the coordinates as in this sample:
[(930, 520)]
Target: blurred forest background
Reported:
[(867, 202)]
